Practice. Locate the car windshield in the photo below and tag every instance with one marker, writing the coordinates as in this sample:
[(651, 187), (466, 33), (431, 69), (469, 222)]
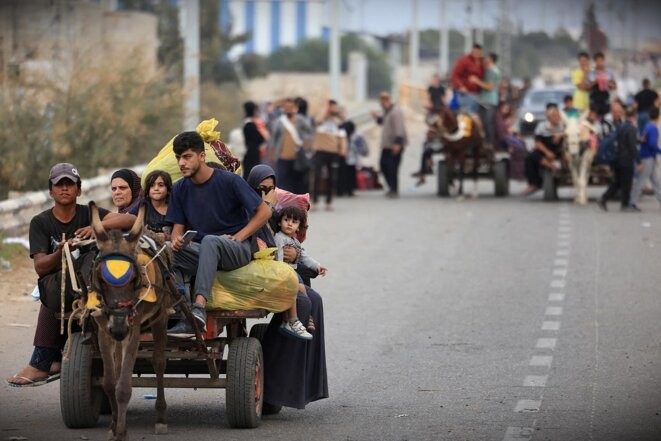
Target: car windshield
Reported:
[(542, 97)]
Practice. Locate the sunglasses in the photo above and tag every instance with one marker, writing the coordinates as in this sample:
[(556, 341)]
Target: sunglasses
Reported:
[(265, 190)]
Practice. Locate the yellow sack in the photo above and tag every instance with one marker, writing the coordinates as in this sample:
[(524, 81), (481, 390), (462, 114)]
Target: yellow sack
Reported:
[(166, 161), (262, 284), (468, 126)]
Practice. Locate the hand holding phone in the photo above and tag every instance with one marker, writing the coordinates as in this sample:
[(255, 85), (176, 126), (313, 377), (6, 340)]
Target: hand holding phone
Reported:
[(188, 236)]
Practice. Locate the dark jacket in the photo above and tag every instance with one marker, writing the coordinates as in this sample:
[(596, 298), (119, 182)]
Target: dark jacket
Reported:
[(627, 145)]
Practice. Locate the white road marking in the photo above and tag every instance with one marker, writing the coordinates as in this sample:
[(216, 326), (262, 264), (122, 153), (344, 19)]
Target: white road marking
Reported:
[(564, 221), (535, 380), (564, 236), (558, 283), (541, 360), (562, 252), (564, 229), (550, 326), (561, 262), (527, 406), (556, 297), (518, 433), (546, 343), (560, 272), (553, 310), (563, 244)]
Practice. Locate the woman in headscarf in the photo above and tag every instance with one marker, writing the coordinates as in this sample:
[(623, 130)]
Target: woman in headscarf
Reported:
[(126, 191), (294, 370)]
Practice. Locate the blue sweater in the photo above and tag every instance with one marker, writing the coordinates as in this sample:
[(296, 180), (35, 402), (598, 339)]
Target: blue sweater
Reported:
[(649, 148)]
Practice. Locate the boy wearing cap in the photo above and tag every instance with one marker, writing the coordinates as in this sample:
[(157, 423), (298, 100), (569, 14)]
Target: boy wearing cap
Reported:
[(70, 219)]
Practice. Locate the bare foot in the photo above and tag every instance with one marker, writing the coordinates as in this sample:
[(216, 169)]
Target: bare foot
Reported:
[(27, 375)]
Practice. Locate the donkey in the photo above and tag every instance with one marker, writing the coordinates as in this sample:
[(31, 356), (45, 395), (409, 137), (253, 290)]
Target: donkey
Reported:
[(456, 144), (118, 281)]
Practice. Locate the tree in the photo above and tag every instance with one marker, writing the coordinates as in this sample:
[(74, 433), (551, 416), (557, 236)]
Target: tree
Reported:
[(312, 56), (594, 38)]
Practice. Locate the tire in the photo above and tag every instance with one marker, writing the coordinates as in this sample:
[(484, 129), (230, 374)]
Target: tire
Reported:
[(443, 179), (501, 178), (258, 330), (245, 383), (80, 401), (549, 186)]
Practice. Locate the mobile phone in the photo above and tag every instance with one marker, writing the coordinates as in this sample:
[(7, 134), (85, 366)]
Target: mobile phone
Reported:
[(188, 236)]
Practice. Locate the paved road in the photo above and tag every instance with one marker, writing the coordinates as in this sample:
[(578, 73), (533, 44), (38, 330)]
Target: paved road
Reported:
[(488, 319)]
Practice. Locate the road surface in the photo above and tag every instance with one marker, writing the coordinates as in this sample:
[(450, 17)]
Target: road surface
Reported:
[(487, 319)]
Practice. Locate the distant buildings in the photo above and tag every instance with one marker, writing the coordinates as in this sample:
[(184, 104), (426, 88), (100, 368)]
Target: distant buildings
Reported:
[(273, 23)]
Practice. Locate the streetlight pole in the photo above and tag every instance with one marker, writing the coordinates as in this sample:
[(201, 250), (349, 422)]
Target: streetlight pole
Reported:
[(414, 43), (189, 25), (334, 52), (444, 43)]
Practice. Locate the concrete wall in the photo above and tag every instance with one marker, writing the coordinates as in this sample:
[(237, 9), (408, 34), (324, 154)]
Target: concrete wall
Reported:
[(49, 37)]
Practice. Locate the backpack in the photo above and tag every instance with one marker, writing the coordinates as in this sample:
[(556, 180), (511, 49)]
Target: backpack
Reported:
[(607, 152)]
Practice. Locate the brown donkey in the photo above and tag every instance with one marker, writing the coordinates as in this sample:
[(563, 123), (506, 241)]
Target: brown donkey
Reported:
[(457, 146), (122, 286)]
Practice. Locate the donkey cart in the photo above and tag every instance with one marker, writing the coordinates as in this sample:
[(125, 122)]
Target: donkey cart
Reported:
[(196, 363)]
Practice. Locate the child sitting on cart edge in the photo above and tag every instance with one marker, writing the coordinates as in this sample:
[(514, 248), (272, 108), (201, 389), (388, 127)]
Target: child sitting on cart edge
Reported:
[(290, 219)]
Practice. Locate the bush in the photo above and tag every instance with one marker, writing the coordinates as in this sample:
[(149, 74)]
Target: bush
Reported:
[(312, 56), (254, 65), (98, 117)]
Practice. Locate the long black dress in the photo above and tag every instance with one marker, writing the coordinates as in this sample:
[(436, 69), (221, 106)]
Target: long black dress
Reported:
[(294, 369)]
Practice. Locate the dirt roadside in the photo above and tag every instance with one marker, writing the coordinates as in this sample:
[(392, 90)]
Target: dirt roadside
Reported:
[(18, 313)]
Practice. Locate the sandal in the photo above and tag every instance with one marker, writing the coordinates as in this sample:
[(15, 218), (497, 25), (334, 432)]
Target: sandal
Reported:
[(311, 328), (30, 382)]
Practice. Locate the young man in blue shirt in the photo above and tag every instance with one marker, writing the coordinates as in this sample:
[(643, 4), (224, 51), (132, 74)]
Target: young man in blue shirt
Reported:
[(224, 211), (649, 151)]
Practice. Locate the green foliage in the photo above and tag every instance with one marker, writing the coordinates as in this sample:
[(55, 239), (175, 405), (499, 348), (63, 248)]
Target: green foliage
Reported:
[(254, 65), (312, 56), (97, 118), (309, 56), (222, 102), (529, 51)]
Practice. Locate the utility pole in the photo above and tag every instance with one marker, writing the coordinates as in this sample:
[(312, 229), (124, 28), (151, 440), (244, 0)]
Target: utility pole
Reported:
[(468, 33), (504, 38), (334, 52), (479, 31), (444, 43), (414, 43), (189, 28)]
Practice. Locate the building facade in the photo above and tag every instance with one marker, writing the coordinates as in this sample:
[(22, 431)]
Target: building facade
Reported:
[(273, 24)]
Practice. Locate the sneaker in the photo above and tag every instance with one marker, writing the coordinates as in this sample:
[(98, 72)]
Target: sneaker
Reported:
[(200, 314), (630, 209), (295, 329), (310, 327), (183, 329)]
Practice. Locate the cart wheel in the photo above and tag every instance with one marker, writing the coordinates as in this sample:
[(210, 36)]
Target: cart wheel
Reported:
[(443, 179), (258, 330), (245, 383), (80, 401), (549, 186), (501, 178)]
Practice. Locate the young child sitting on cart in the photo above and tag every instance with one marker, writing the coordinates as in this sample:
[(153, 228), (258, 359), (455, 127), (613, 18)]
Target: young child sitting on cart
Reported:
[(157, 190), (290, 219)]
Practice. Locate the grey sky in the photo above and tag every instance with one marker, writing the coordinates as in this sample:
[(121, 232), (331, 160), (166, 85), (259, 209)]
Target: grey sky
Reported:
[(623, 20)]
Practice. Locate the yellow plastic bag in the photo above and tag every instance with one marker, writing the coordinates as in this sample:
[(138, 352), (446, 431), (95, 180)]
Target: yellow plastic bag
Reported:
[(166, 161), (262, 284)]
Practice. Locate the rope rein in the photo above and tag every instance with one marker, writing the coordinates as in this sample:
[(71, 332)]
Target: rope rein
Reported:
[(79, 305)]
